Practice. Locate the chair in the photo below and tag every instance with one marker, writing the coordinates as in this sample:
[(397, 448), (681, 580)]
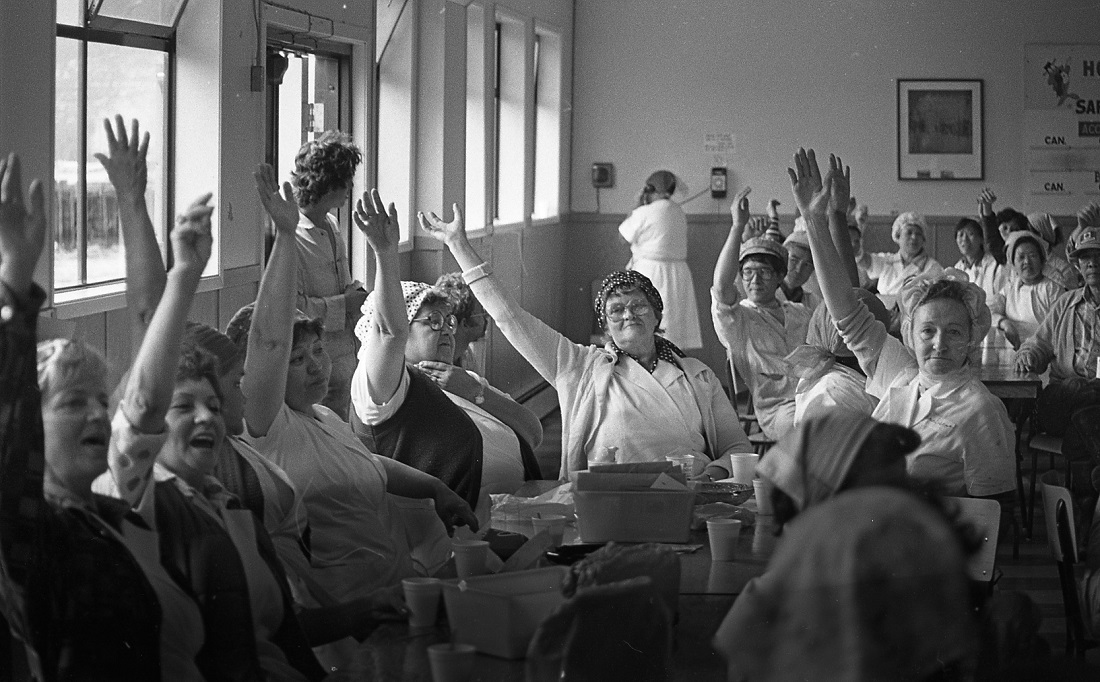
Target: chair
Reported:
[(1062, 536), (759, 441), (1052, 445), (984, 515)]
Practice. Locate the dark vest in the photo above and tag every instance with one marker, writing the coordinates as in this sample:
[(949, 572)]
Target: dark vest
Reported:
[(197, 549), (432, 434)]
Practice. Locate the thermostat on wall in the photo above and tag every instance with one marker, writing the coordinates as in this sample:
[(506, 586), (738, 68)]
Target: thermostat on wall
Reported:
[(603, 174)]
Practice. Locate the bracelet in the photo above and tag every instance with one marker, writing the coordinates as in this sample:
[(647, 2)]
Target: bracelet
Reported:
[(477, 272)]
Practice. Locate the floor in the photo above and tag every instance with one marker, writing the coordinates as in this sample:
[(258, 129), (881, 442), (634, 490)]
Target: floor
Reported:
[(1033, 572)]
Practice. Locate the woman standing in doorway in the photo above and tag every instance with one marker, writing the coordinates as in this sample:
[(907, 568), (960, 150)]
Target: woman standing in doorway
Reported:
[(657, 232)]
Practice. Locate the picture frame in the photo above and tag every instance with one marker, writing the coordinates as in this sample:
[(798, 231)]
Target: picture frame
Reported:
[(941, 129)]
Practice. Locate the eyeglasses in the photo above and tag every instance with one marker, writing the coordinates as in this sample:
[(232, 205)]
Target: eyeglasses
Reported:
[(436, 320), (754, 273), (616, 313)]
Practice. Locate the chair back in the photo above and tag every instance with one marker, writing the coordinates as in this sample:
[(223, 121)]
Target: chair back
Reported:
[(985, 517), (1054, 492)]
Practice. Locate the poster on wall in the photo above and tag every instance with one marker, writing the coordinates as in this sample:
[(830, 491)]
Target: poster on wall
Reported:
[(1061, 127)]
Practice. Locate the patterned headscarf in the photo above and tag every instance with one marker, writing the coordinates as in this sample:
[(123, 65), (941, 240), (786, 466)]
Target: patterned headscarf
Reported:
[(414, 294), (915, 293), (632, 279)]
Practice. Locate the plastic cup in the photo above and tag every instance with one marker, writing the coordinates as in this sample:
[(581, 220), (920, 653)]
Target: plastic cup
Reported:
[(685, 462), (762, 489), (422, 598), (723, 534), (554, 524), (451, 662), (743, 468), (470, 557)]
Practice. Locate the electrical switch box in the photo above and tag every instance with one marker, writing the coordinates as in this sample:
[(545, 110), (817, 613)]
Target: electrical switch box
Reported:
[(718, 182), (603, 174)]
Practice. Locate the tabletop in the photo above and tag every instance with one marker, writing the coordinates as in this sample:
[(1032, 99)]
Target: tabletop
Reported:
[(1004, 381)]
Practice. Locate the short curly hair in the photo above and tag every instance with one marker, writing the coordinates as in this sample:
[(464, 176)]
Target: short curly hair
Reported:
[(323, 165), (455, 288), (196, 364)]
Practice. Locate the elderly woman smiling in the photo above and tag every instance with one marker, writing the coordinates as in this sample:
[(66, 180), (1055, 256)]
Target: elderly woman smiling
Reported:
[(638, 394), (926, 385)]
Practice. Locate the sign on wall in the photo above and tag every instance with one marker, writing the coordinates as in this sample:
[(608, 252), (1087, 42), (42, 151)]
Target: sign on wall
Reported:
[(1061, 126)]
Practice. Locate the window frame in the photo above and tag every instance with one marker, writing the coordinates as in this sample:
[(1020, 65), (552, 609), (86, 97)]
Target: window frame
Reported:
[(86, 298)]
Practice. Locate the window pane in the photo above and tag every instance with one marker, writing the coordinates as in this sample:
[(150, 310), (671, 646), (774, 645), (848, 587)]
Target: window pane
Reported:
[(161, 12), (70, 11), (133, 83), (291, 121), (66, 170), (476, 217), (394, 149), (510, 124), (547, 124)]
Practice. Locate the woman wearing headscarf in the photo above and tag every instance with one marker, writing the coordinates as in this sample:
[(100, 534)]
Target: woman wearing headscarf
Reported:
[(638, 394), (1056, 268), (893, 270), (869, 585), (1025, 298), (657, 233), (927, 383)]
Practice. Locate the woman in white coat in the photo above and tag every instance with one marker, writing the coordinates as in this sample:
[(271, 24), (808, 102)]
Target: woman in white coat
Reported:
[(657, 232)]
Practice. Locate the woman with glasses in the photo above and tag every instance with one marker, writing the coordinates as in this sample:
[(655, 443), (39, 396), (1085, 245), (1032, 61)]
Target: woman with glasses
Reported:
[(758, 329), (411, 403), (638, 397)]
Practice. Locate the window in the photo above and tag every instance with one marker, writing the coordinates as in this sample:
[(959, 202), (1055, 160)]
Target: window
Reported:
[(509, 98), (107, 65), (476, 216), (547, 74), (393, 146)]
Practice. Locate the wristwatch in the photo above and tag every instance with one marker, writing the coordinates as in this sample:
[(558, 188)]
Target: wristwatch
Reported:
[(480, 397)]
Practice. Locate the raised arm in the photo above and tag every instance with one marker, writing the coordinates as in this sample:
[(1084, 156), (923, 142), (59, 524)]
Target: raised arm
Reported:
[(994, 242), (727, 268), (271, 336), (126, 168), (549, 352), (840, 195), (382, 357)]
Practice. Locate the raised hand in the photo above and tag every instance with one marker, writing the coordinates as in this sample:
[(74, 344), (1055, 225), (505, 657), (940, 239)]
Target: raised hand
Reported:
[(377, 222), (448, 233), (810, 194), (283, 209), (191, 238), (125, 165), (985, 201), (756, 227), (840, 195), (22, 227), (739, 209)]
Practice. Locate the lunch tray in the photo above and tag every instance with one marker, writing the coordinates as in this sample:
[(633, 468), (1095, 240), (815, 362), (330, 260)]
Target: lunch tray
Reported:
[(721, 491)]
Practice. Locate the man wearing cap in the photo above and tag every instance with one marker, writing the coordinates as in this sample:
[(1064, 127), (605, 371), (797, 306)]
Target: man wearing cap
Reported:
[(758, 330), (1067, 341), (798, 286)]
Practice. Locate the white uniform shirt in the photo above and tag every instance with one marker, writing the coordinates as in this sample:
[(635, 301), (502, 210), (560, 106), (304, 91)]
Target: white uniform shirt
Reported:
[(892, 273)]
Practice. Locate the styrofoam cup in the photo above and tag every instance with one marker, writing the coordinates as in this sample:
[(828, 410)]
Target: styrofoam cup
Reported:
[(723, 534), (743, 468), (685, 462), (470, 557), (554, 524), (762, 489), (451, 662), (422, 597)]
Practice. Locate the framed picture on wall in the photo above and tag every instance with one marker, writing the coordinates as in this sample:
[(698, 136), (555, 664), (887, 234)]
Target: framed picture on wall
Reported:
[(940, 129)]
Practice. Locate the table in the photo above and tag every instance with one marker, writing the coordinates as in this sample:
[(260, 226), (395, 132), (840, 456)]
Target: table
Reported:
[(1006, 383), (707, 591)]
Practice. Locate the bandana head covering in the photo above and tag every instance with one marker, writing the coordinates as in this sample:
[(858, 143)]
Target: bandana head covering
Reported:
[(1043, 225), (908, 218), (915, 293), (812, 461), (1016, 238), (414, 294), (870, 585), (629, 279)]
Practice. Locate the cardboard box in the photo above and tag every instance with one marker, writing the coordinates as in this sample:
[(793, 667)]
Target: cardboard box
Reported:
[(498, 614), (606, 511)]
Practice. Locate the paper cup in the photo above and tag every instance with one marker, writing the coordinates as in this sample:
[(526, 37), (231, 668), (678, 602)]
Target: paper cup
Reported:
[(685, 462), (451, 662), (470, 557), (422, 599), (762, 490), (743, 468), (723, 534), (554, 524)]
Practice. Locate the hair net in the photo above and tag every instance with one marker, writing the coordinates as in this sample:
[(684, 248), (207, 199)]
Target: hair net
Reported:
[(908, 218), (961, 289), (1016, 238), (414, 294)]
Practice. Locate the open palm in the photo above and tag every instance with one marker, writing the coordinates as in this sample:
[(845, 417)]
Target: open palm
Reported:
[(445, 232), (281, 207), (377, 222), (810, 194), (22, 231)]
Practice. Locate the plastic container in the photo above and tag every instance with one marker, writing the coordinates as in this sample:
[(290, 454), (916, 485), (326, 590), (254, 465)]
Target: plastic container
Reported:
[(498, 614), (634, 516)]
